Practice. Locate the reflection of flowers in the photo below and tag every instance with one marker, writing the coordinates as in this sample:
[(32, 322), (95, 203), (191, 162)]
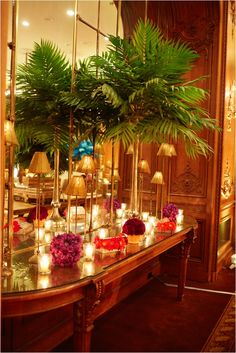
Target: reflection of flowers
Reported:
[(66, 249), (85, 148), (134, 226), (107, 203), (112, 243), (15, 224), (170, 211), (43, 213)]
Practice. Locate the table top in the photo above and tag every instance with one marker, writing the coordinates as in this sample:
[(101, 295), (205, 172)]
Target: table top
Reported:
[(26, 279)]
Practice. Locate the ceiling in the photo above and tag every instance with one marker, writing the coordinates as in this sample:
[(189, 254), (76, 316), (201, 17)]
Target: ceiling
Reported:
[(49, 20)]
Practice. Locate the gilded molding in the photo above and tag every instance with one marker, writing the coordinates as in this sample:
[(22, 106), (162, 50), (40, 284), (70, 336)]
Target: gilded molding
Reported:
[(226, 187), (187, 183), (232, 13)]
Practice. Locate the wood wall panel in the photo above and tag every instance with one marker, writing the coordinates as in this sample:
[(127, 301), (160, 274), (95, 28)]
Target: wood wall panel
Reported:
[(195, 184)]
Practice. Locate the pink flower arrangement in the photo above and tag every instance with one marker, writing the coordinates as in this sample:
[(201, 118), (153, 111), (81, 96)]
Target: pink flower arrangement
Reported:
[(170, 211), (66, 249), (43, 213), (134, 226)]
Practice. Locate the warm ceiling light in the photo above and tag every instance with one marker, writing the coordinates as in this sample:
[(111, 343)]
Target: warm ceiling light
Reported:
[(25, 23), (70, 13)]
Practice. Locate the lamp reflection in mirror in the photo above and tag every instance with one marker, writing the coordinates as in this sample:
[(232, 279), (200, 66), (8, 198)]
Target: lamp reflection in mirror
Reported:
[(158, 179), (143, 168), (87, 166), (76, 187), (39, 165), (167, 150)]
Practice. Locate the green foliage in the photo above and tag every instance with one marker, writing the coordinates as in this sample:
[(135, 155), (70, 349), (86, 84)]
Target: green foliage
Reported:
[(143, 80), (41, 117)]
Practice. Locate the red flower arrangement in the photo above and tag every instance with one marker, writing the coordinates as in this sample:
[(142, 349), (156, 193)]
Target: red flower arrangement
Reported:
[(166, 226), (111, 243), (66, 249), (134, 226), (43, 213)]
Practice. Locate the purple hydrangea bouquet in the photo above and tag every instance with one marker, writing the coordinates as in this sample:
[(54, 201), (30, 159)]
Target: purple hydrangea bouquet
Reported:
[(66, 249), (170, 211)]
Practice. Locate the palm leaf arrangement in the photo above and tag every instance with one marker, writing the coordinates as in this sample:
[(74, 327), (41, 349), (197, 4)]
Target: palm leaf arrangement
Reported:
[(42, 118), (143, 81)]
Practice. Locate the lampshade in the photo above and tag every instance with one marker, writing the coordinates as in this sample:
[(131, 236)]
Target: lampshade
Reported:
[(10, 135), (157, 178), (39, 163), (116, 175), (86, 165), (143, 166), (130, 149), (167, 150), (76, 186)]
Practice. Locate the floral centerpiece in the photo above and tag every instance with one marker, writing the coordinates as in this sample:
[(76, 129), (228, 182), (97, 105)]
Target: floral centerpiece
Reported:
[(135, 229), (66, 249), (170, 211), (111, 243), (165, 225)]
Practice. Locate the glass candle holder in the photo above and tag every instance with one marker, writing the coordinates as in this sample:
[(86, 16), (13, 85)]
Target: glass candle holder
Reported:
[(179, 219), (103, 232), (119, 213), (180, 212), (123, 206), (44, 264), (145, 216), (89, 251)]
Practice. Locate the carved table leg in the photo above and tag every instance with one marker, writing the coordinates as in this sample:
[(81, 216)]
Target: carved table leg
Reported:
[(184, 256), (84, 316)]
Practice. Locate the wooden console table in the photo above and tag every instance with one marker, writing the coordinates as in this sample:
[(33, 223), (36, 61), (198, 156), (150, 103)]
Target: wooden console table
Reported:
[(32, 303)]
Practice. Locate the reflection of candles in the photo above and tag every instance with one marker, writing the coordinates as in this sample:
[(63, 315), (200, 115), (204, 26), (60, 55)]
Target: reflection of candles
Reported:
[(148, 227), (47, 237), (179, 219), (102, 233), (40, 234), (89, 250), (152, 219), (44, 264), (48, 224), (180, 211), (95, 210), (145, 216), (43, 282), (119, 212), (88, 268), (123, 206)]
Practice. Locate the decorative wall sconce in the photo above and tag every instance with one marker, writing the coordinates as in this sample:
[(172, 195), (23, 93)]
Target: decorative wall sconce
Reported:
[(231, 108), (226, 187), (9, 132), (158, 179)]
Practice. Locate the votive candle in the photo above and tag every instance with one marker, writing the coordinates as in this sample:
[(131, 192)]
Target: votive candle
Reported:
[(44, 264), (89, 250)]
